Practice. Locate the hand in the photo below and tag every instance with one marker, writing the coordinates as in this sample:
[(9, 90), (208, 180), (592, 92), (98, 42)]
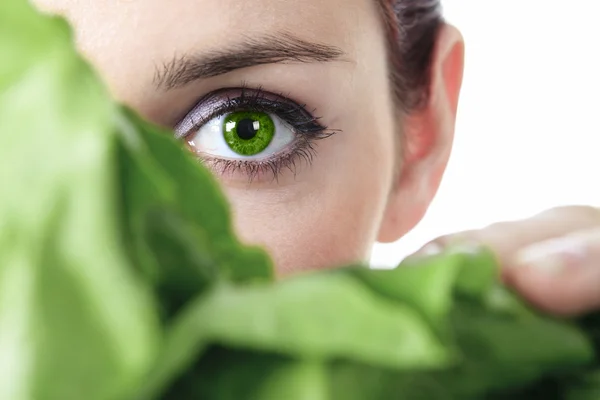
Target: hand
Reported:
[(552, 259)]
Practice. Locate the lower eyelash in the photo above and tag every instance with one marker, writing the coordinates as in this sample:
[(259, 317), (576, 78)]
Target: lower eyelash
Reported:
[(302, 151)]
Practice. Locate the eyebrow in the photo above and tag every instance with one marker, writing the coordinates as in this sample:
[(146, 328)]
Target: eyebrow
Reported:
[(271, 49)]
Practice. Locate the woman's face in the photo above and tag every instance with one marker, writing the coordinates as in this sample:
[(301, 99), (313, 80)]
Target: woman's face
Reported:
[(289, 101)]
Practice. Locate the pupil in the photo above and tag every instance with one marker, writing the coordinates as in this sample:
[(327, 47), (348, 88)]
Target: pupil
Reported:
[(245, 129)]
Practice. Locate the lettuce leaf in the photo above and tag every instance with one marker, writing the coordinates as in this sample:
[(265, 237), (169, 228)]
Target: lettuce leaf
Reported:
[(482, 342), (73, 317)]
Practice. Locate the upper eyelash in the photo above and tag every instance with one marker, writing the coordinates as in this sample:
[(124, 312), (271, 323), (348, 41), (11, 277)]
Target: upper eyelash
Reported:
[(258, 100)]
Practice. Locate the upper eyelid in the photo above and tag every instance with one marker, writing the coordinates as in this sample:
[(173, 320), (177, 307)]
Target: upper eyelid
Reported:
[(187, 123), (252, 97)]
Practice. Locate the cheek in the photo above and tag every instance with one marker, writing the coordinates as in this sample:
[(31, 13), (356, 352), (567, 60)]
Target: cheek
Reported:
[(330, 215)]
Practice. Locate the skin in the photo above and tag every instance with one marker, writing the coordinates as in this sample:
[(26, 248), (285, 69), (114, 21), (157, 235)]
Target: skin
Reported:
[(365, 183)]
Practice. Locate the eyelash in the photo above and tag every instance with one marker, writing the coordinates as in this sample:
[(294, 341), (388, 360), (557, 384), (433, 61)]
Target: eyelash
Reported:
[(305, 126)]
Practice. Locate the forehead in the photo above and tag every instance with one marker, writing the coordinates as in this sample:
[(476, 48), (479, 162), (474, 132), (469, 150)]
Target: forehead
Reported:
[(128, 39), (158, 27)]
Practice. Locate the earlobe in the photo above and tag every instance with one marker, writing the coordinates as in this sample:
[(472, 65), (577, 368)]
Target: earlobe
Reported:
[(427, 139)]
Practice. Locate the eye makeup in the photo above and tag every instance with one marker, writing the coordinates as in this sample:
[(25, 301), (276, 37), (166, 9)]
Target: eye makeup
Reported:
[(292, 120)]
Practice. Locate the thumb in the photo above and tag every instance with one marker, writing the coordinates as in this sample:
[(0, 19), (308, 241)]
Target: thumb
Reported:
[(560, 275)]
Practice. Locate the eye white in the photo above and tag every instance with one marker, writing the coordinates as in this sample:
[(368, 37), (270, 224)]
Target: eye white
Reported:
[(209, 140)]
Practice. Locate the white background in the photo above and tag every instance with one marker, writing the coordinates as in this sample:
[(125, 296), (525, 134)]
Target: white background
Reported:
[(528, 131)]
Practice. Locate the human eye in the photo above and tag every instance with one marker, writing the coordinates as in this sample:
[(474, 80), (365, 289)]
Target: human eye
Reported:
[(251, 132)]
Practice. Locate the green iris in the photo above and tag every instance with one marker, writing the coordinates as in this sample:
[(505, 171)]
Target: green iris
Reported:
[(248, 133)]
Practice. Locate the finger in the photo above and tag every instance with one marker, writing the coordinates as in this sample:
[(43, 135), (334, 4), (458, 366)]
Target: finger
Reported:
[(560, 275), (507, 238)]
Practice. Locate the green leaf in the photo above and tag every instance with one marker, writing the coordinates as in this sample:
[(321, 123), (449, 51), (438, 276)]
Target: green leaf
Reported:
[(176, 219), (353, 381), (503, 352), (426, 285), (73, 317), (321, 316), (231, 375), (585, 387), (24, 41), (318, 316), (158, 174), (485, 342)]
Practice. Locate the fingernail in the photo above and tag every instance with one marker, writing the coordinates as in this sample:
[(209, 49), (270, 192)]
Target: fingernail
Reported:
[(552, 256)]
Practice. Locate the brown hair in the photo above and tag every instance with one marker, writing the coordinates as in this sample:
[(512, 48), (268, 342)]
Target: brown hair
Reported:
[(411, 28)]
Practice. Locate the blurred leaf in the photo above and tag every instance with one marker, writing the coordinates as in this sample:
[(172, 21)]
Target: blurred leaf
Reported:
[(73, 317), (484, 342), (314, 317), (177, 219)]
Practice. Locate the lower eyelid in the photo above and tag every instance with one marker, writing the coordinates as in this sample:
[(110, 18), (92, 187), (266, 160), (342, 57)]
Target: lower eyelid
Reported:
[(263, 171)]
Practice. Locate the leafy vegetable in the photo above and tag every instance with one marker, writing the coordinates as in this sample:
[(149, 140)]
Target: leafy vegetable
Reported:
[(121, 277), (177, 219), (485, 342), (73, 317)]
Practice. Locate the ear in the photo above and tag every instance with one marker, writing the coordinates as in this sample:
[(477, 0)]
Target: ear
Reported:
[(428, 133)]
